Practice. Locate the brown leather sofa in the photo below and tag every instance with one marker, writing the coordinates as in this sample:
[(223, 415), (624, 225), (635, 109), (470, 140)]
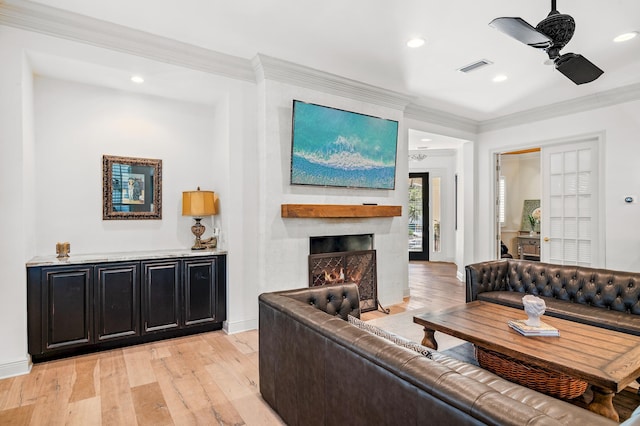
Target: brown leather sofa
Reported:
[(318, 369), (599, 297)]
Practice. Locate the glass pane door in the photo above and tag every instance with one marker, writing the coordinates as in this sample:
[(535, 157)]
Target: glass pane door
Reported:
[(418, 216), (570, 208)]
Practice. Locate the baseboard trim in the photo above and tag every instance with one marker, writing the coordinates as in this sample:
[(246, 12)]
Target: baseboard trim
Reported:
[(15, 368), (240, 326), (460, 276)]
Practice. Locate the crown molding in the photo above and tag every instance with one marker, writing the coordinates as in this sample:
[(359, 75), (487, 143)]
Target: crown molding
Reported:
[(585, 103), (269, 68), (47, 20), (434, 116)]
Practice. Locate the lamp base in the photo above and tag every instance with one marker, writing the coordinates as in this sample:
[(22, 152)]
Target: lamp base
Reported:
[(198, 229)]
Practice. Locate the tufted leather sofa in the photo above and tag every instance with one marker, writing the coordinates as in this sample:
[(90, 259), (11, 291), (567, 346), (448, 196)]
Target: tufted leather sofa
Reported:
[(318, 369), (599, 297)]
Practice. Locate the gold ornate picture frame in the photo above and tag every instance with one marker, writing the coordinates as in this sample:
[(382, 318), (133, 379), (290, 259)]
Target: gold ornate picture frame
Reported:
[(131, 188)]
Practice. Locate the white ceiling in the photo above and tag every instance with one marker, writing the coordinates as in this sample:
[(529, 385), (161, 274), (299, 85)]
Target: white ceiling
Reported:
[(365, 40)]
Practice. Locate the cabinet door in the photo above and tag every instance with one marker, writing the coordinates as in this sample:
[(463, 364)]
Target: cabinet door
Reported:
[(200, 280), (161, 296), (66, 307), (117, 300)]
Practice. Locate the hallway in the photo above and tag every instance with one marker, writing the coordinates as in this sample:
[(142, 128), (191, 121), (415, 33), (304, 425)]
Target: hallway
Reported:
[(431, 285)]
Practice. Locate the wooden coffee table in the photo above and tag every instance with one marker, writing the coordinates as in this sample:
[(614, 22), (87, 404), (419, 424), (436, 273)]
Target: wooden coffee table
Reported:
[(606, 359)]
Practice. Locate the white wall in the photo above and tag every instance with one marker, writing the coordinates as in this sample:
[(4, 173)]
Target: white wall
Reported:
[(76, 125), (620, 125), (16, 164), (239, 204), (284, 243)]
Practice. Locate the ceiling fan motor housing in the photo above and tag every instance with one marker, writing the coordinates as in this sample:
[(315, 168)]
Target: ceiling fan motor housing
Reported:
[(558, 27)]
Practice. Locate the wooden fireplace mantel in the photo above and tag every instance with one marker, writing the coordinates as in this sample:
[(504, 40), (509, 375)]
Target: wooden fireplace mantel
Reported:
[(338, 211)]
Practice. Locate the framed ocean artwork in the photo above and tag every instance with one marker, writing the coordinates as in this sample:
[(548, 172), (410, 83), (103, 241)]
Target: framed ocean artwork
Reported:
[(333, 147)]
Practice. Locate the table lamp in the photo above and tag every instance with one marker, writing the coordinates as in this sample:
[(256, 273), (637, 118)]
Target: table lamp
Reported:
[(198, 204)]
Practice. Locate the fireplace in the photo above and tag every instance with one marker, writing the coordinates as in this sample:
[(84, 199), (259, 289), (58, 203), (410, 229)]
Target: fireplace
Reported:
[(345, 258)]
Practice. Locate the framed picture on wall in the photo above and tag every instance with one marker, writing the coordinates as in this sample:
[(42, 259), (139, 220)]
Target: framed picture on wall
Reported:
[(530, 208), (131, 188)]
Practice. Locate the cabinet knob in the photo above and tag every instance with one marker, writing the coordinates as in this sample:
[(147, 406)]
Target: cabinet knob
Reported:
[(547, 239)]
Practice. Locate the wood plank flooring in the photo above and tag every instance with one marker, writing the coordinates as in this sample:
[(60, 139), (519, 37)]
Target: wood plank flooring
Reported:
[(431, 285), (205, 379)]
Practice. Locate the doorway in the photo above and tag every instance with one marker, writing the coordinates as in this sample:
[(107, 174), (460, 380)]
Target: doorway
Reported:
[(518, 186), (418, 216), (566, 230)]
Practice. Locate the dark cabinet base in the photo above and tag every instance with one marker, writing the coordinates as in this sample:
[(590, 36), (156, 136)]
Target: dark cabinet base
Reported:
[(88, 307), (107, 345)]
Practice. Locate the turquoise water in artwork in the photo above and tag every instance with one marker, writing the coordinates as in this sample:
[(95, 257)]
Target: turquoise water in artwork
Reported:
[(340, 148)]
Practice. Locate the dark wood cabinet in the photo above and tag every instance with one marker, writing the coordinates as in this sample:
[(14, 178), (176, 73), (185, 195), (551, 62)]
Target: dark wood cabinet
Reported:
[(161, 296), (199, 294), (93, 306), (66, 305), (117, 310)]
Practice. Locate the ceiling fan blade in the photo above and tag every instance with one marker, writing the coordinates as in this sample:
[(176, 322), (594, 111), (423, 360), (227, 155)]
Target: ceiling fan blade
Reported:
[(577, 68), (519, 29)]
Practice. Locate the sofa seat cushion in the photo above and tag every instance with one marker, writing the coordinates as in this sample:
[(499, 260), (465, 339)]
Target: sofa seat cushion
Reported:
[(585, 314)]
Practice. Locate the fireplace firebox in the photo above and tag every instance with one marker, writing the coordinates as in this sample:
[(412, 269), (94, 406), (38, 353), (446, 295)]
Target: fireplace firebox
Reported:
[(343, 259)]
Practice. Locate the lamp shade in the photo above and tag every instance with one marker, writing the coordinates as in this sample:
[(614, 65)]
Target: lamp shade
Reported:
[(198, 203)]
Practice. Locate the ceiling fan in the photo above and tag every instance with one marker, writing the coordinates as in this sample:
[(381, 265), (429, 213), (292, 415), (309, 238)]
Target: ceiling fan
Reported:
[(551, 35)]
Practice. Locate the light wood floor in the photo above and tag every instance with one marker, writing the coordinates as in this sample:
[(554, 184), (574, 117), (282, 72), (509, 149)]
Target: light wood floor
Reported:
[(431, 285), (205, 379)]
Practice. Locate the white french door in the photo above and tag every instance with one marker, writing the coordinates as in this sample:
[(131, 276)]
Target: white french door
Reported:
[(570, 204)]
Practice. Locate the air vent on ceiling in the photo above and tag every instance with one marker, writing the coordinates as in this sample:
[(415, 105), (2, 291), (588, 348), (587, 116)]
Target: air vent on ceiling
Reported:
[(474, 66)]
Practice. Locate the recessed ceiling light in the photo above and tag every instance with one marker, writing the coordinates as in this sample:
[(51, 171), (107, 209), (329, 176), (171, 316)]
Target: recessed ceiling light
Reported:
[(499, 78), (423, 147), (425, 140), (137, 79), (625, 37), (416, 42)]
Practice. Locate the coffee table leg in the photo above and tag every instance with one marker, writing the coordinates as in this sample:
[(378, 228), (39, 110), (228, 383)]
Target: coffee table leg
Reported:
[(602, 403), (429, 339)]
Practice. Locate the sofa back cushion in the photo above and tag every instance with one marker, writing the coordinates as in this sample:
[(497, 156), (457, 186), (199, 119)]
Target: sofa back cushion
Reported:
[(603, 288), (337, 299), (486, 276)]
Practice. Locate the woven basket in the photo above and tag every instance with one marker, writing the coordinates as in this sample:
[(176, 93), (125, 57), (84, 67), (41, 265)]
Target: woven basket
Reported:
[(533, 377)]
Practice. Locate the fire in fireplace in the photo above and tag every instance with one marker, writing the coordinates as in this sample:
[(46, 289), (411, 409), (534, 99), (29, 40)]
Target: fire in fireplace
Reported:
[(345, 258)]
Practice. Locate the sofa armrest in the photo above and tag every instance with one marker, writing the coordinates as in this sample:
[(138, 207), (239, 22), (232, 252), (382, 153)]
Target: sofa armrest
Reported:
[(486, 276), (336, 299)]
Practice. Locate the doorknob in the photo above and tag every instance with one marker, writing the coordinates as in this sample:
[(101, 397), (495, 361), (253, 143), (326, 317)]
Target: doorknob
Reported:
[(547, 239)]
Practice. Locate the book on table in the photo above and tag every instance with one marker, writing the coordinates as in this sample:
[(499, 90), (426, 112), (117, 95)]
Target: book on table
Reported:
[(543, 329)]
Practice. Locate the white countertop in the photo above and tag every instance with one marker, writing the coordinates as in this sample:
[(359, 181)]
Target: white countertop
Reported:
[(121, 256)]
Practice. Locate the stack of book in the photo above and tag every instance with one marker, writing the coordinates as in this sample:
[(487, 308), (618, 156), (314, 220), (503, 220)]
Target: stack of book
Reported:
[(526, 330)]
